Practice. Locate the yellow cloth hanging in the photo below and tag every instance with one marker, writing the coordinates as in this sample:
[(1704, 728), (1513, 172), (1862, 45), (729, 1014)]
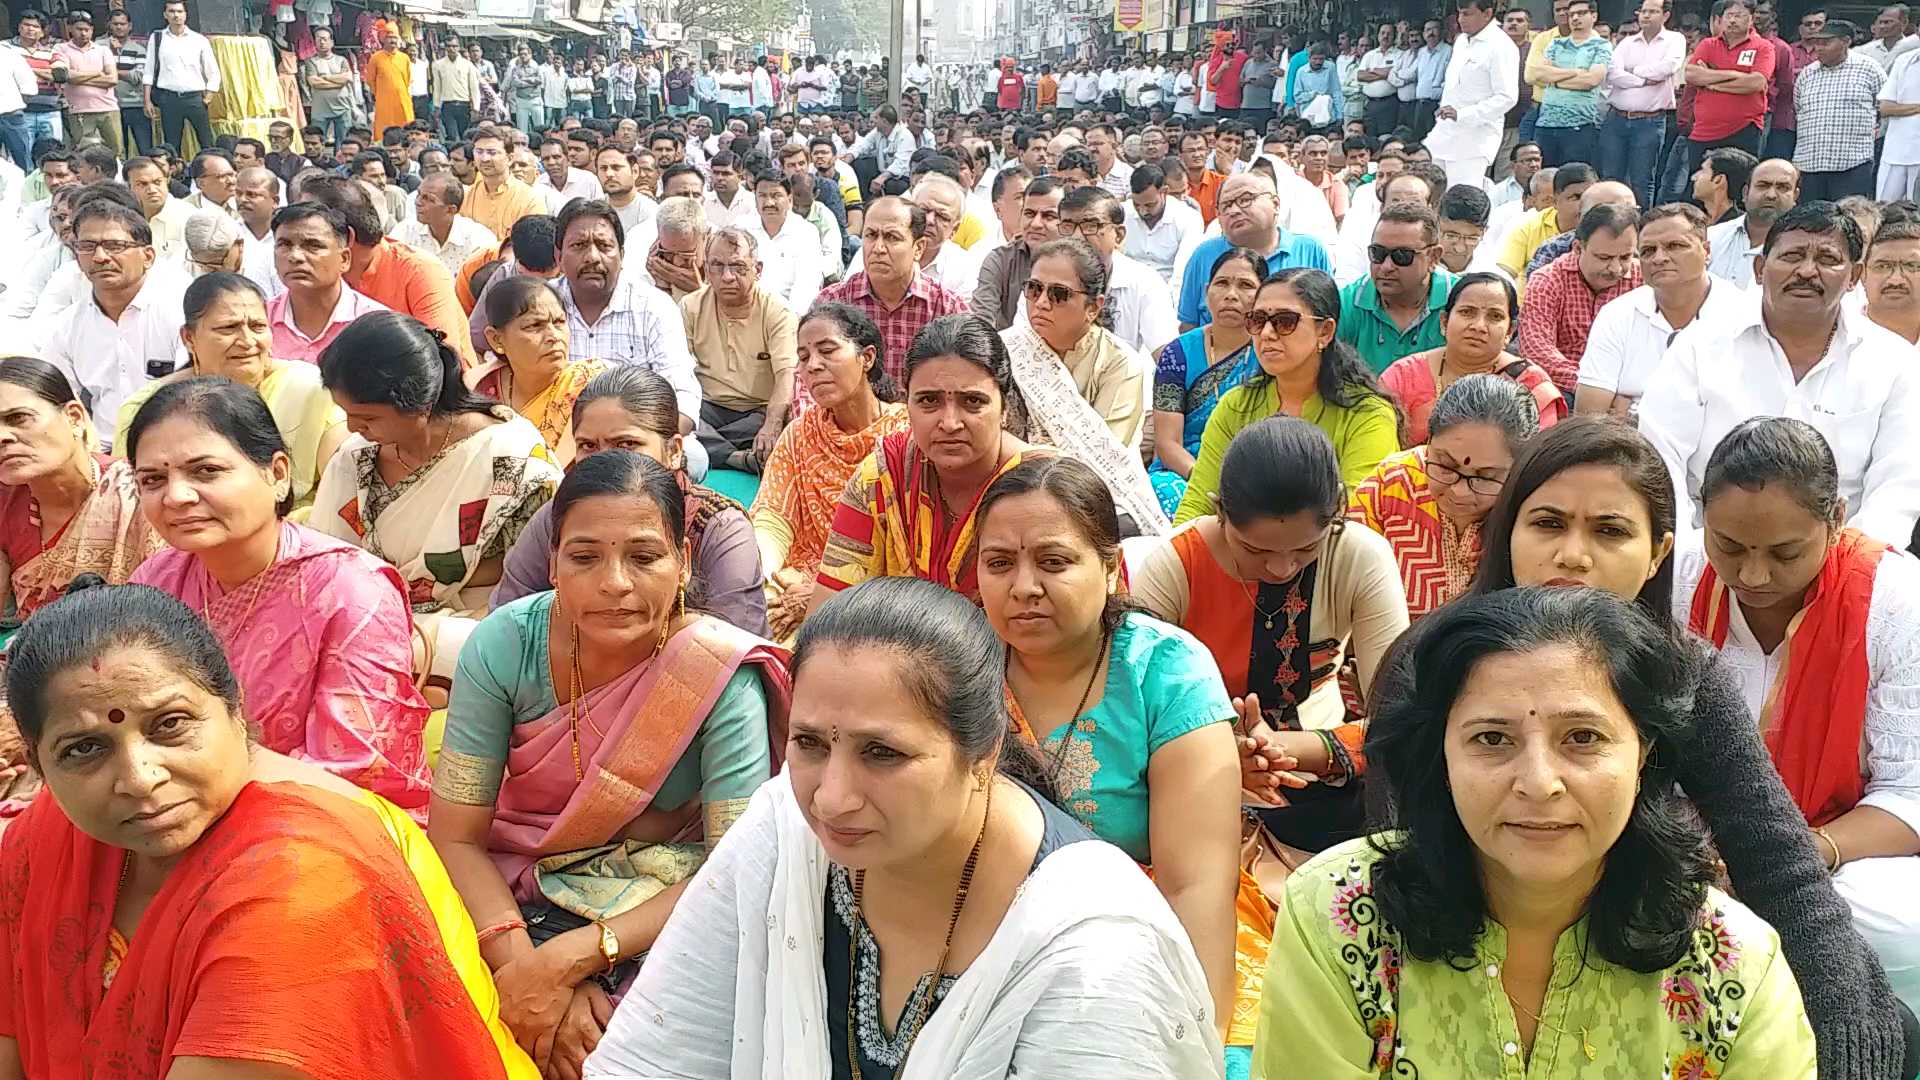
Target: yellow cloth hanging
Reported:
[(249, 99)]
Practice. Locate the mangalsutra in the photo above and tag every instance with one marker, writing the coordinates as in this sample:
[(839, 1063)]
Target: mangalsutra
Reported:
[(1253, 597)]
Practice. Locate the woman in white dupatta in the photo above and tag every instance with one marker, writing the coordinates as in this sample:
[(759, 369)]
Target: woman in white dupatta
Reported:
[(435, 479), (798, 950), (1085, 390)]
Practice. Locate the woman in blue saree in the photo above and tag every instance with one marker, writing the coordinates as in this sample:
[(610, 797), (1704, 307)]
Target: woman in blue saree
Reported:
[(1199, 366)]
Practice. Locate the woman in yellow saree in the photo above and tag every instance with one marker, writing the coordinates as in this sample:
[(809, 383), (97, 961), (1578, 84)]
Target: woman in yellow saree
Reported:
[(527, 333)]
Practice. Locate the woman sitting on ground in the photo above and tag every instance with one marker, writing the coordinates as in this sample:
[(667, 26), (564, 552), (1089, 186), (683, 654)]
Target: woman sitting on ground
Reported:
[(1478, 322), (1538, 894), (317, 630), (1305, 371), (601, 738), (227, 334), (910, 834), (910, 509), (1429, 501), (170, 917), (843, 367), (436, 480), (527, 335), (1128, 712), (1590, 503), (628, 407), (1197, 368), (1820, 626)]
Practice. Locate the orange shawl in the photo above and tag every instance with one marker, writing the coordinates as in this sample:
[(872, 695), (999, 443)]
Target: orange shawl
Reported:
[(291, 933), (1816, 714)]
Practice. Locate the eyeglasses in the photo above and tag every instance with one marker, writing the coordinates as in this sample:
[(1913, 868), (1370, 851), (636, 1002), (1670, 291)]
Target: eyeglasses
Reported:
[(84, 248), (724, 270), (1245, 202), (1457, 238), (1087, 227), (1283, 322), (1401, 256), (1909, 267), (1479, 485), (1056, 294)]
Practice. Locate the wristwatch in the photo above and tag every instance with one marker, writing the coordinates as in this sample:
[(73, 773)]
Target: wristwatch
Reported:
[(609, 945)]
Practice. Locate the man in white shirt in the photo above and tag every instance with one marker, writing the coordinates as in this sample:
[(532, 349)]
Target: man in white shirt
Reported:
[(1522, 162), (17, 84), (918, 77), (1799, 353), (1109, 83), (1630, 334), (127, 331), (437, 227), (181, 75), (1160, 232), (619, 175), (166, 215), (1376, 83), (621, 320), (1114, 176), (1772, 189), (557, 172), (728, 202), (1086, 87), (890, 143), (1481, 84), (455, 86), (1899, 176), (1141, 303), (1891, 37), (789, 245), (256, 195)]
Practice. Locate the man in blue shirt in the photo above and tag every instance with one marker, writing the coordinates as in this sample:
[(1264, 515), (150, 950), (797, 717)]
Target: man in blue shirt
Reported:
[(1317, 77), (1249, 210), (1431, 66)]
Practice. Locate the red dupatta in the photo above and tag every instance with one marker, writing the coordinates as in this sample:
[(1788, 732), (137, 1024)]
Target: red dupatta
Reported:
[(1816, 712), (291, 933)]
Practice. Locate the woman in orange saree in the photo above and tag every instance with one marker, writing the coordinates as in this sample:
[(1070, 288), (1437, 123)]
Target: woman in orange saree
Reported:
[(166, 916), (601, 738)]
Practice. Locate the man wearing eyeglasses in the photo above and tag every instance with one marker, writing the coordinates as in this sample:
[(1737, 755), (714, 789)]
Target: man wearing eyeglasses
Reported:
[(1249, 217), (1568, 292), (1893, 278), (128, 330), (1141, 304), (1395, 309), (742, 338)]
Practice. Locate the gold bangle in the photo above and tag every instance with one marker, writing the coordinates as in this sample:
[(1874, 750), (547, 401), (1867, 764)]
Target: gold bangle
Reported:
[(1834, 844)]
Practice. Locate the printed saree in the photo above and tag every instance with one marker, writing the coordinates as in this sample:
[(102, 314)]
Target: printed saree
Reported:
[(1815, 714), (322, 644), (460, 509), (107, 536), (1410, 381), (550, 410), (291, 933), (1184, 383), (891, 522), (1437, 558), (808, 470)]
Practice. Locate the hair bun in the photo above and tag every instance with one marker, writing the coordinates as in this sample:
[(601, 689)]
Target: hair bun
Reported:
[(83, 582)]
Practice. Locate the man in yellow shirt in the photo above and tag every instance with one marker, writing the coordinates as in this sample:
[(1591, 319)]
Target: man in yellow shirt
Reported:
[(1536, 227), (497, 200)]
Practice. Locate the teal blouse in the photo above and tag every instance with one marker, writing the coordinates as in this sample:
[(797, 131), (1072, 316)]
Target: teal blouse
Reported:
[(1343, 1001), (1161, 684), (504, 679)]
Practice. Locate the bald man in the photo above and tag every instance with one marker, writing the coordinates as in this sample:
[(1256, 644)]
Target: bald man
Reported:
[(1604, 193), (1249, 211)]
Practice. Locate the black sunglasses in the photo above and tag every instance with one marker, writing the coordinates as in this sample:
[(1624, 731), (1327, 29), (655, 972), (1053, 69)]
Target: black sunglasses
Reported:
[(1054, 292), (1401, 256), (1284, 322)]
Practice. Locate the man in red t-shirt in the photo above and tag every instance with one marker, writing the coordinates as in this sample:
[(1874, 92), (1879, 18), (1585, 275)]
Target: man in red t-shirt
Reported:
[(1729, 74), (1011, 87)]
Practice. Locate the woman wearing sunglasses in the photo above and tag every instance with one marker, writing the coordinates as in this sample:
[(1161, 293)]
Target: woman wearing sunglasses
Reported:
[(1478, 322), (1305, 371), (1086, 391)]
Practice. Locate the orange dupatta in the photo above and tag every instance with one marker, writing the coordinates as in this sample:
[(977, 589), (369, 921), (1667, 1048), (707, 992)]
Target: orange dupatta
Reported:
[(291, 933), (1816, 712)]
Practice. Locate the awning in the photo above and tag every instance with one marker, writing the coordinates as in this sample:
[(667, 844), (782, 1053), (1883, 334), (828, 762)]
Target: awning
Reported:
[(580, 28)]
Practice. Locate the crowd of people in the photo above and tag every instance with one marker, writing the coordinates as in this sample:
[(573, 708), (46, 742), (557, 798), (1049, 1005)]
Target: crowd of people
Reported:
[(1370, 553)]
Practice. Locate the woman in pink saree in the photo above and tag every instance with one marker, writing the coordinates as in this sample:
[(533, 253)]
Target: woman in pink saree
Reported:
[(317, 630), (600, 739)]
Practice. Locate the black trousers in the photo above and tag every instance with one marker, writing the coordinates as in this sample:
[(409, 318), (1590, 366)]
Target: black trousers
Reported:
[(454, 117), (1382, 114), (176, 112), (136, 130), (1834, 186)]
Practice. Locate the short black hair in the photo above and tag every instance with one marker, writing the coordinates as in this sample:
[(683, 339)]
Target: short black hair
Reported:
[(1573, 172), (1466, 203), (1821, 218), (533, 242), (302, 211), (1607, 217), (588, 209)]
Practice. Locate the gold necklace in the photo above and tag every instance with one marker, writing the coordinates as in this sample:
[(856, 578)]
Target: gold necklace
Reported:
[(1586, 1043), (933, 985), (576, 680), (1253, 595)]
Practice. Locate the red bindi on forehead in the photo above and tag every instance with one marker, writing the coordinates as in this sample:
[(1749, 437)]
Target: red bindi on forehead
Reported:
[(116, 716)]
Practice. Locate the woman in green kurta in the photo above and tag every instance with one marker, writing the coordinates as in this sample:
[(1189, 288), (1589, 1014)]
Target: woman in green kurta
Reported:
[(600, 739), (1539, 907), (1305, 371), (1128, 713)]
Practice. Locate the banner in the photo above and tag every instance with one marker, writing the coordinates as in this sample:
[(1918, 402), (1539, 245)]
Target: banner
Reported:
[(1139, 16)]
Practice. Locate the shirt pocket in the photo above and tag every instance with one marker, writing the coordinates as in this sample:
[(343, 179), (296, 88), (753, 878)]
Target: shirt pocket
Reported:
[(1850, 432)]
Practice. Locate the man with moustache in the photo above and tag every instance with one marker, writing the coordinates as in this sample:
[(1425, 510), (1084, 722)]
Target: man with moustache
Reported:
[(1772, 189), (1798, 353), (1893, 272), (1564, 296)]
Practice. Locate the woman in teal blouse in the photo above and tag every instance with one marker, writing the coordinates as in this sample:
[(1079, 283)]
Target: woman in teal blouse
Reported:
[(1128, 713), (1539, 906), (1305, 371)]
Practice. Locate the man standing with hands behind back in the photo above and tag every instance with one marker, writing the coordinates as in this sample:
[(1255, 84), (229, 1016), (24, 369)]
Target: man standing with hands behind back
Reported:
[(1482, 83)]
